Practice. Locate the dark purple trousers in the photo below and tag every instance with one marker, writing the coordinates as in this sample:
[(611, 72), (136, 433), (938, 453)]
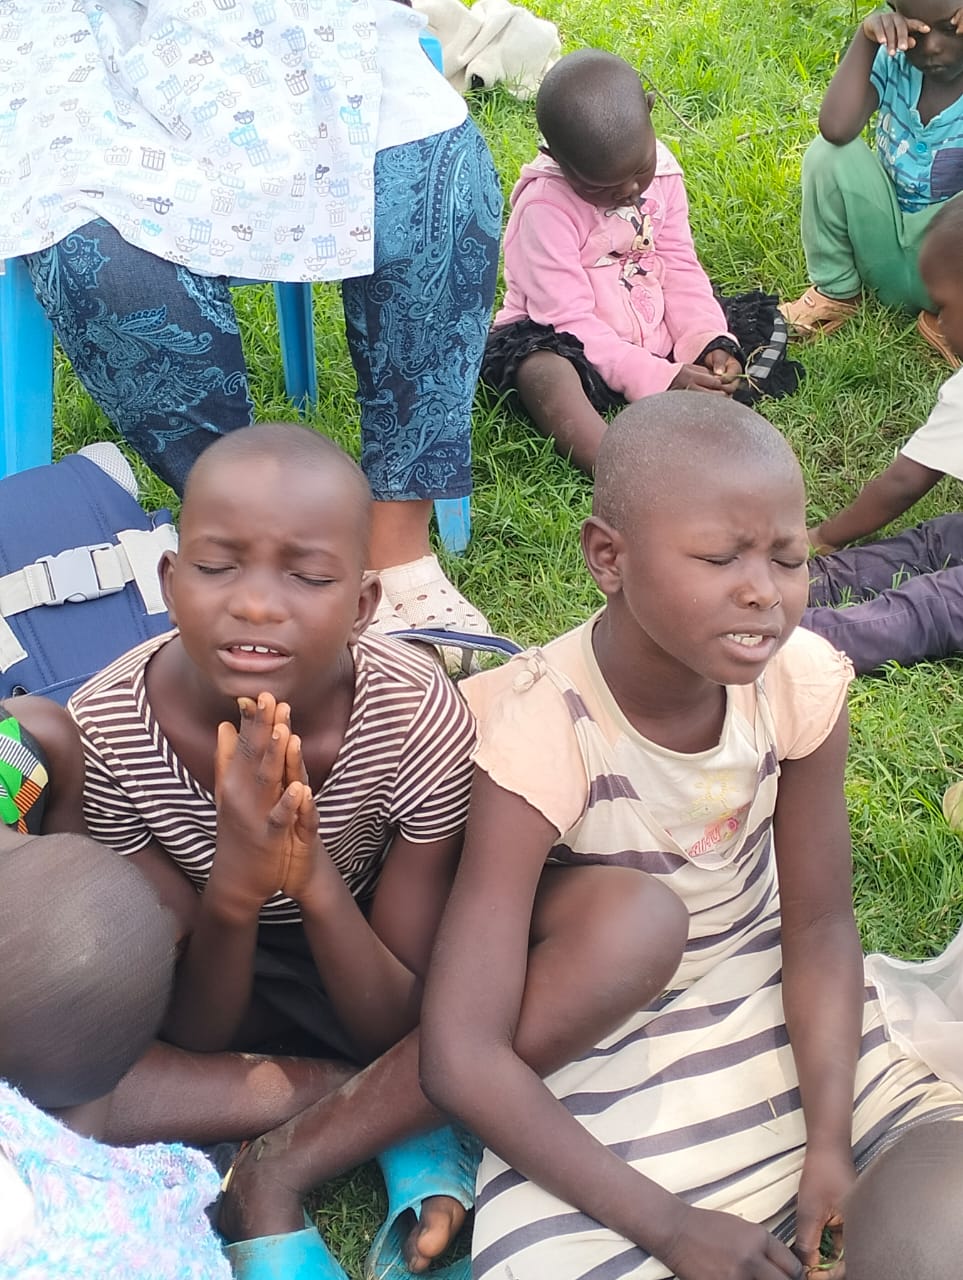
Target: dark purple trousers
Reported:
[(906, 594)]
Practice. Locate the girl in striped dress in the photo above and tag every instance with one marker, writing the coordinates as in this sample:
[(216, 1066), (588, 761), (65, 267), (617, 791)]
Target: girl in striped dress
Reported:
[(690, 732)]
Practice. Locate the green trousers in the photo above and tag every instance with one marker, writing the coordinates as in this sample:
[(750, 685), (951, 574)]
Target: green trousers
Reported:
[(854, 233)]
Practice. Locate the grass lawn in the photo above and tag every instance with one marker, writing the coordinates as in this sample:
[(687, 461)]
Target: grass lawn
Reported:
[(741, 87)]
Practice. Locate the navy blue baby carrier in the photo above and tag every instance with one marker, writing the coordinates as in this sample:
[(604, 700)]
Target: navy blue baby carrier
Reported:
[(78, 572)]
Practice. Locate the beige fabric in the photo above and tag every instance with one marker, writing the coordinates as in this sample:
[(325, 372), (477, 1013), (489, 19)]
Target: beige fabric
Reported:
[(699, 1092), (805, 686)]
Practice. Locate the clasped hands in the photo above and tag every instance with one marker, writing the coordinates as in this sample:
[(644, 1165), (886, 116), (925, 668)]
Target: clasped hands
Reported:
[(267, 820)]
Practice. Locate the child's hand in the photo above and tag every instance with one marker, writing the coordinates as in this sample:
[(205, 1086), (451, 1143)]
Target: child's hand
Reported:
[(827, 1179), (308, 860), (720, 1246), (957, 20), (254, 813), (818, 546), (695, 377), (885, 26), (726, 368)]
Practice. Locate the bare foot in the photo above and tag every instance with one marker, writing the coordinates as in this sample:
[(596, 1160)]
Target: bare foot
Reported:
[(442, 1217), (257, 1201)]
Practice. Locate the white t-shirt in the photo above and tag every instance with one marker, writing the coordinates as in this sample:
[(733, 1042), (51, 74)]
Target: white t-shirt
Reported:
[(236, 137), (938, 443)]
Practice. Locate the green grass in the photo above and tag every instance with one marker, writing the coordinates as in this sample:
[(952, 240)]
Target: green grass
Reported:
[(747, 80)]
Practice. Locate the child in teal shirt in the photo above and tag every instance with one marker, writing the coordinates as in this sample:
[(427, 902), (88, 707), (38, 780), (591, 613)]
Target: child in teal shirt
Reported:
[(864, 213)]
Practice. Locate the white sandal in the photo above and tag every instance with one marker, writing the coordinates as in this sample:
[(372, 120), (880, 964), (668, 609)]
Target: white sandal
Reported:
[(420, 595)]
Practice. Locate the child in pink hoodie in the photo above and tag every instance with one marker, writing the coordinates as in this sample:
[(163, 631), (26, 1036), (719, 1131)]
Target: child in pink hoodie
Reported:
[(606, 300)]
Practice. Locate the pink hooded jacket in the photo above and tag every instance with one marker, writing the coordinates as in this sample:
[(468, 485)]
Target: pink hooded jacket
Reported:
[(625, 281)]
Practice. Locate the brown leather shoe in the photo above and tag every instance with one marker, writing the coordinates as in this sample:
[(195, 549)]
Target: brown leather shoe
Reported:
[(813, 313), (928, 325)]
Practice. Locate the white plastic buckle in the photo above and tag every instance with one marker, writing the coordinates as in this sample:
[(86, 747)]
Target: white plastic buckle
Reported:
[(72, 575)]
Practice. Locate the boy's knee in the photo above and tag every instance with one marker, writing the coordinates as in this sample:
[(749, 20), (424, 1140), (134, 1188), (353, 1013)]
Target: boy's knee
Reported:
[(823, 160), (903, 1218)]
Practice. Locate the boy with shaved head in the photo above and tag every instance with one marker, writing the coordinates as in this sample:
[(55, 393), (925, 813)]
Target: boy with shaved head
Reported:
[(294, 787)]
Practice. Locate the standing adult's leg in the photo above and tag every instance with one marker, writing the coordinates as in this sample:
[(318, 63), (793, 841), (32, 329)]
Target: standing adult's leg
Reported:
[(417, 327), (156, 346)]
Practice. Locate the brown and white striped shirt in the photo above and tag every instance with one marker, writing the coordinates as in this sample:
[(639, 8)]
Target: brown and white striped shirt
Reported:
[(404, 767)]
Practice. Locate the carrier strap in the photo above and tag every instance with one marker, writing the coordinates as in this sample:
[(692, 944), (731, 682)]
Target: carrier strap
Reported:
[(84, 573)]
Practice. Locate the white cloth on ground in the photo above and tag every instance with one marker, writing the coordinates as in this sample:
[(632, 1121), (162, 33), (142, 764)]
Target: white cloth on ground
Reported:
[(493, 42)]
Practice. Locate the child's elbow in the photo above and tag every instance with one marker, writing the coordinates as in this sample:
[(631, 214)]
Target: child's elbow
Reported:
[(835, 131), (444, 1073)]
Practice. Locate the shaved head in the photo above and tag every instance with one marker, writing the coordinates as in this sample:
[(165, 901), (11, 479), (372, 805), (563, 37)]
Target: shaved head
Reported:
[(667, 447), (590, 107), (87, 956), (287, 446)]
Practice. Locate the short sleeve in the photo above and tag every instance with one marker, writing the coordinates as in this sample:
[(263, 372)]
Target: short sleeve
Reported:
[(806, 686), (434, 775), (938, 444), (526, 738), (880, 72), (110, 813)]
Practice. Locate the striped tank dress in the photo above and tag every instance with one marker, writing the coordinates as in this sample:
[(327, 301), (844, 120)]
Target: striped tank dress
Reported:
[(698, 1092)]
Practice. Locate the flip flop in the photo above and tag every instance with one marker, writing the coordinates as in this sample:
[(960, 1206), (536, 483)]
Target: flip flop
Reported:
[(441, 1163), (297, 1255)]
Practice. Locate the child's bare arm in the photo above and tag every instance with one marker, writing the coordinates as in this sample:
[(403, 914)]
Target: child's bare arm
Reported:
[(881, 500), (469, 1066), (822, 975), (171, 885), (851, 97), (56, 732), (373, 969), (693, 316)]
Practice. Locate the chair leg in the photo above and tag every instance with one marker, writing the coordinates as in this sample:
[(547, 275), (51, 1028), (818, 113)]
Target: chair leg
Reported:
[(296, 326), (26, 373), (453, 516)]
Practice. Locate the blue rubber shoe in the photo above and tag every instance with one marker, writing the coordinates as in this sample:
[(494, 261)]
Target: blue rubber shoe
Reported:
[(298, 1255), (441, 1163)]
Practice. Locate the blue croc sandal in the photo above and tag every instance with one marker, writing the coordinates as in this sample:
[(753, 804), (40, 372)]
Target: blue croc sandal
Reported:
[(298, 1255), (441, 1163)]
